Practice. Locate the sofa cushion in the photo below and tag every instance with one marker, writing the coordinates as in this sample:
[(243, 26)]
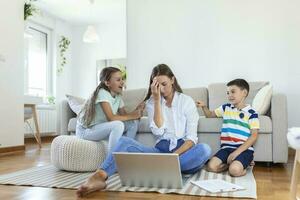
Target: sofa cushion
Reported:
[(199, 93), (217, 93), (262, 100), (133, 97), (144, 126), (72, 125), (208, 125), (214, 125), (205, 124), (75, 103)]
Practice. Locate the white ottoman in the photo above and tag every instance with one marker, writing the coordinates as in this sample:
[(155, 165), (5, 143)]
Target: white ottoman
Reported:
[(73, 154)]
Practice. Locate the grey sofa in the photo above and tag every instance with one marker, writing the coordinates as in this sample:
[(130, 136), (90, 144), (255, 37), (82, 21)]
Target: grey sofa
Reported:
[(271, 146)]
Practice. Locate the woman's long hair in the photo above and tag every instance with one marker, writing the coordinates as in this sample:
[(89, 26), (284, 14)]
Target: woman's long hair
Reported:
[(162, 69), (89, 107)]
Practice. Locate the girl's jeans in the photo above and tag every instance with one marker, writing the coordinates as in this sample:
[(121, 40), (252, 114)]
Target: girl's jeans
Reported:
[(112, 130)]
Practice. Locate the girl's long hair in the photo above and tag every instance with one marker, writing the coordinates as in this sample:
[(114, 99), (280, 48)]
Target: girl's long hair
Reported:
[(89, 107), (162, 69)]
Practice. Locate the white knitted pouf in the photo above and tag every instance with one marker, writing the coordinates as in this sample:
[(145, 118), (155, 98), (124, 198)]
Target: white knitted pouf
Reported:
[(73, 154)]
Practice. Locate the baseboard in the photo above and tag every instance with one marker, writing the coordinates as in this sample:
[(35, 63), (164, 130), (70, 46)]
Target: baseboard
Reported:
[(47, 138), (43, 134), (12, 149)]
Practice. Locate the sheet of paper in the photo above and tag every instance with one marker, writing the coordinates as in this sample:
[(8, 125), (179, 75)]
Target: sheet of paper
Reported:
[(217, 185)]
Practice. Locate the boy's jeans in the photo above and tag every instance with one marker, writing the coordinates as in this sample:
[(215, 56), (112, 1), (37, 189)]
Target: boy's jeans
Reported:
[(190, 161)]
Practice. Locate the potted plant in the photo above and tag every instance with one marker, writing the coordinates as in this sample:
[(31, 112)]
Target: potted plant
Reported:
[(29, 9), (123, 71), (63, 46)]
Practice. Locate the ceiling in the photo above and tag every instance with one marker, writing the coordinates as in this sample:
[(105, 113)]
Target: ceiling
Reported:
[(78, 12)]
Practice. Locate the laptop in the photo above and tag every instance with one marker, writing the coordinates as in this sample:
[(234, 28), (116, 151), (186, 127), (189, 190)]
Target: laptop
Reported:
[(160, 170)]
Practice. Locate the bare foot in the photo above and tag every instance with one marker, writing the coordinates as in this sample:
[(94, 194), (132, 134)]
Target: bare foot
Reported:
[(94, 183)]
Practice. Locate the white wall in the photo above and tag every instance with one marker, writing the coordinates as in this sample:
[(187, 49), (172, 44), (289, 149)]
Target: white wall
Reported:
[(62, 82), (112, 39), (215, 41), (58, 27), (11, 73), (84, 64), (79, 74), (64, 79), (112, 44)]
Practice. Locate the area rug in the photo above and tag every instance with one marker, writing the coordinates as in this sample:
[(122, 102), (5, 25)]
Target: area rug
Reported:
[(49, 176)]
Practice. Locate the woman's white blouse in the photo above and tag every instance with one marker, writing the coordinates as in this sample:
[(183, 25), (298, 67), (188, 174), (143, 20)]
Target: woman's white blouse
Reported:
[(185, 119)]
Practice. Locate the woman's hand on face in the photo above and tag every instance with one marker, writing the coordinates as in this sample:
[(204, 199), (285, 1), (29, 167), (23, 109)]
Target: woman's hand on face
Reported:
[(155, 89)]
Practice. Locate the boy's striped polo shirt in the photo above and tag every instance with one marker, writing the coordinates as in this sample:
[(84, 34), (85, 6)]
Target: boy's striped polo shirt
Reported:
[(237, 125)]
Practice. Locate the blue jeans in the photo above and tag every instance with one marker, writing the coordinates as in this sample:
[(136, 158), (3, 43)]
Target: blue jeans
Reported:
[(190, 161), (112, 130)]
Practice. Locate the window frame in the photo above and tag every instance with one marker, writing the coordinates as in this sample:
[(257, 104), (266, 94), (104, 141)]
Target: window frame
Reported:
[(49, 61)]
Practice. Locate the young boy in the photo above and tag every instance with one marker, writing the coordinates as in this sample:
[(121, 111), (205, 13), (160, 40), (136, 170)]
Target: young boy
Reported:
[(239, 130)]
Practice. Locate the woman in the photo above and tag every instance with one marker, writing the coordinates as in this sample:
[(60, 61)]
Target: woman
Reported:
[(173, 120)]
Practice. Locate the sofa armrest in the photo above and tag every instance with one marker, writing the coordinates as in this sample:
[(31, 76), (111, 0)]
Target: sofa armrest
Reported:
[(280, 128), (66, 115)]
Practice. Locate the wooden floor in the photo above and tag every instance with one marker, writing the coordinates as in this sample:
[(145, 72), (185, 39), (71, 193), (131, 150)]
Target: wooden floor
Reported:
[(272, 182)]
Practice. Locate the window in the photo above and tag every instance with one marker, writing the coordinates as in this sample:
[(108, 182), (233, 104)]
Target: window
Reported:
[(38, 71)]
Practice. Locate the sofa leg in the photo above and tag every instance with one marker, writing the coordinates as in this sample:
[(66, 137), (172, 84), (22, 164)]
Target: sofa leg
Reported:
[(269, 164)]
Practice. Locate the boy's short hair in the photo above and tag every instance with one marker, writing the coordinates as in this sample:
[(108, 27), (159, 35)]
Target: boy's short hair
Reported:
[(241, 83)]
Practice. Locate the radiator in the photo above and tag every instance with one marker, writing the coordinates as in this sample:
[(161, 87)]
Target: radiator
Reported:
[(46, 120)]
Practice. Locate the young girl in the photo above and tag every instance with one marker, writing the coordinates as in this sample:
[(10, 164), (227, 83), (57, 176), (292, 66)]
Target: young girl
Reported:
[(173, 119), (103, 115)]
